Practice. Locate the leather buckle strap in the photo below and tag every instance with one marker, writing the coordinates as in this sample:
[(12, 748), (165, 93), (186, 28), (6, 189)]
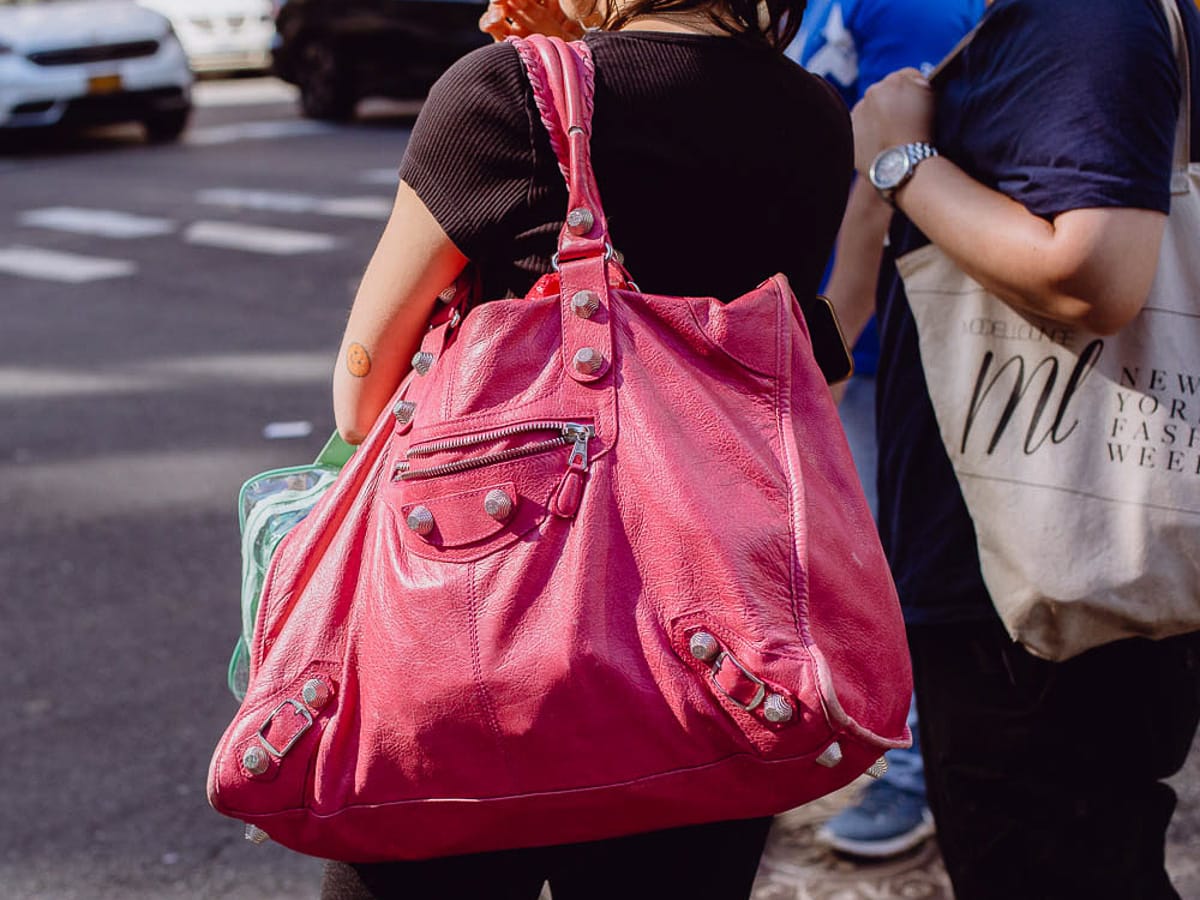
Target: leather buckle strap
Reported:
[(737, 682)]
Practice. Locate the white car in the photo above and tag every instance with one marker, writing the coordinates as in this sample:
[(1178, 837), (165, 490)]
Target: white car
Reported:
[(221, 35), (91, 62)]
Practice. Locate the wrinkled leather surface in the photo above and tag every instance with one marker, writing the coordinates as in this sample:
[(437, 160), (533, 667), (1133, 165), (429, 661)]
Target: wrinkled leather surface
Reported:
[(531, 683)]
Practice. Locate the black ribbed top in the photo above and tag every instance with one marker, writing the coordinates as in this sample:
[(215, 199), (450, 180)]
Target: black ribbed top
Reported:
[(719, 164)]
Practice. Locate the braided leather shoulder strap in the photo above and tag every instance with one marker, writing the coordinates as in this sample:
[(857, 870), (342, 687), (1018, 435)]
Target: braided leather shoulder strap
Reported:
[(563, 80)]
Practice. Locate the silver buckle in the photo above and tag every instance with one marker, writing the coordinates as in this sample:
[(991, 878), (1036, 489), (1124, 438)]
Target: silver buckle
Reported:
[(762, 685), (262, 731)]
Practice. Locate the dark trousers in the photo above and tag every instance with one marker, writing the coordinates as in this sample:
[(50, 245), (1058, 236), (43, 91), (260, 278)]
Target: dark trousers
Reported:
[(1045, 779), (702, 862)]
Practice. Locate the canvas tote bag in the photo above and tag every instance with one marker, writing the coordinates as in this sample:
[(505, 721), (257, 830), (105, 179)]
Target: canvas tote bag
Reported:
[(1078, 455)]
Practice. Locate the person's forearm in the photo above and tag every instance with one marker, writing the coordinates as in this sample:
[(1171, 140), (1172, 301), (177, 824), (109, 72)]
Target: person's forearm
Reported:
[(413, 263), (1087, 268), (855, 275)]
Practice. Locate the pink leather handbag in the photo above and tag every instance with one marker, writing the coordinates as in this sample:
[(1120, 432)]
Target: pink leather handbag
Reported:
[(605, 568)]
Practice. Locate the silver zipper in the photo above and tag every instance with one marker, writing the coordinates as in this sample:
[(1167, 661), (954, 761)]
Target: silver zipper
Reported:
[(569, 433)]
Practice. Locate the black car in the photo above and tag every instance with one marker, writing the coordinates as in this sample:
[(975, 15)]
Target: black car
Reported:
[(339, 51)]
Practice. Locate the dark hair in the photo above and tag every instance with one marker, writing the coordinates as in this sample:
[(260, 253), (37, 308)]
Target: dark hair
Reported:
[(738, 17)]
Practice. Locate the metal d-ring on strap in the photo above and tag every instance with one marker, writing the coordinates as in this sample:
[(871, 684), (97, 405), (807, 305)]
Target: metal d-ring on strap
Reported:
[(608, 254)]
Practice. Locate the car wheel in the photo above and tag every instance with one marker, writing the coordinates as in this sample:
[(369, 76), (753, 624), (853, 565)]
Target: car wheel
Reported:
[(166, 127), (326, 87)]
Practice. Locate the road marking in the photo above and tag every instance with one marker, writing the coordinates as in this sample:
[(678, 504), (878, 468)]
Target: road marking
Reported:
[(52, 265), (243, 92), (255, 131), (380, 176), (257, 239), (99, 222), (169, 374), (377, 208)]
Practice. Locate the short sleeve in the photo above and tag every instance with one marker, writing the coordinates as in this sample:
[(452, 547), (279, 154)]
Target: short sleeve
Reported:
[(470, 158), (1068, 105)]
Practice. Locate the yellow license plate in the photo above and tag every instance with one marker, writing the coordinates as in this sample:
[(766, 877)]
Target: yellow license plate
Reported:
[(104, 84)]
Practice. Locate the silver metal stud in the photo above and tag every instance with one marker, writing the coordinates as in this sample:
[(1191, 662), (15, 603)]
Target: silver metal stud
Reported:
[(585, 303), (255, 760), (777, 708), (422, 362), (420, 520), (831, 757), (256, 835), (498, 505), (315, 693), (704, 646), (589, 361), (580, 220), (879, 768), (404, 411)]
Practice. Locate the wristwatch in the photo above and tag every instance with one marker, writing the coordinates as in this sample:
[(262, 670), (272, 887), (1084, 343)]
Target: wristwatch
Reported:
[(895, 165)]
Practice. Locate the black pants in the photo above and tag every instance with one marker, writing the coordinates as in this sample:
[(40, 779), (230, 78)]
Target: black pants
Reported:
[(702, 862), (1045, 779)]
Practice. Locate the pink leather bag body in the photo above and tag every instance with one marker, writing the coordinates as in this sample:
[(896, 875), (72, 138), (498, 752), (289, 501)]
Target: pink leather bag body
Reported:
[(605, 568)]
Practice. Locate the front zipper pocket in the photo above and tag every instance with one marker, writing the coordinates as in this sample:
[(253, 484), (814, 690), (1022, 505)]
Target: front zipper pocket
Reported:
[(461, 498), (569, 433)]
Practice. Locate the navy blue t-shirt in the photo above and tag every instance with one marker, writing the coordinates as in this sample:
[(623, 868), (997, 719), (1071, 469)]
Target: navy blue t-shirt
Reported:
[(1061, 105)]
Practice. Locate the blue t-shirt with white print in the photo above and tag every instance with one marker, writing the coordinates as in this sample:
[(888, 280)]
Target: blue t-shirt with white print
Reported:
[(855, 43)]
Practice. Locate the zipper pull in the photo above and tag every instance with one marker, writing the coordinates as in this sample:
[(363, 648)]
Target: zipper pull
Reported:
[(570, 490)]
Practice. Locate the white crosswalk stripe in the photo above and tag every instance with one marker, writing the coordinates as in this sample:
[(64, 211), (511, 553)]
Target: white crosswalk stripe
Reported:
[(53, 265), (257, 238), (285, 201), (380, 176), (254, 131), (243, 92), (98, 222)]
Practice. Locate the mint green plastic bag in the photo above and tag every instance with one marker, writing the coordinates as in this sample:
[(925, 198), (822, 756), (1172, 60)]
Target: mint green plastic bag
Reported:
[(270, 505)]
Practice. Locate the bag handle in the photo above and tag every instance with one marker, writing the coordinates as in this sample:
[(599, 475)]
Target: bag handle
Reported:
[(563, 79), (1180, 183)]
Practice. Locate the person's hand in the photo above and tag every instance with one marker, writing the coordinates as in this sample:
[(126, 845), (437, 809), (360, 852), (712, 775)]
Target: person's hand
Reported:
[(525, 17), (897, 110)]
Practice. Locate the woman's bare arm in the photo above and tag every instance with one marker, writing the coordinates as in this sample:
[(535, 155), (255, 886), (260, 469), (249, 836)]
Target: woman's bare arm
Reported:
[(414, 261)]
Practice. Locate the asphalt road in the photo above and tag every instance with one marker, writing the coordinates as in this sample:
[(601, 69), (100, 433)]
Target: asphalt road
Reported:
[(160, 309)]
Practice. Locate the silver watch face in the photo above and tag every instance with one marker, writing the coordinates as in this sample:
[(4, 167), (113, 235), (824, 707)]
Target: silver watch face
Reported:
[(889, 168)]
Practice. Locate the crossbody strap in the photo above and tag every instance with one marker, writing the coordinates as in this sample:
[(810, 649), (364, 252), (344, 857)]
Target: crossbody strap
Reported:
[(1180, 183)]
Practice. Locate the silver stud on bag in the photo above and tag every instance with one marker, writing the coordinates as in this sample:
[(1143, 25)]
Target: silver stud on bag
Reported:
[(403, 411), (831, 757), (585, 303), (420, 520), (778, 709), (498, 505), (315, 693), (580, 220), (589, 361), (255, 760), (422, 362), (879, 769), (704, 646), (256, 835)]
